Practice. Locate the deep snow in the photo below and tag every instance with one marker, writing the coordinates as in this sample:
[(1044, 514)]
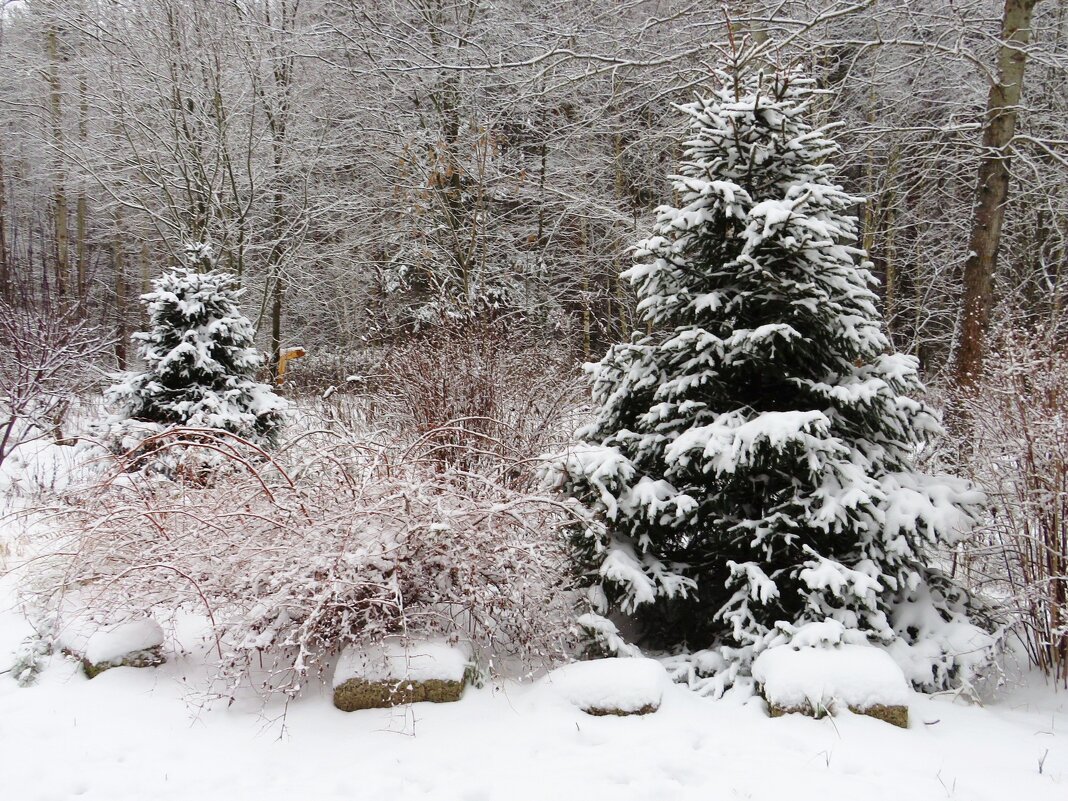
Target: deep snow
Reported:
[(137, 734), (129, 734)]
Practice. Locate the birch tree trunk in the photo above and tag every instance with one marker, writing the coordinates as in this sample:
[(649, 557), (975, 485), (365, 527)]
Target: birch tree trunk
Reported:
[(992, 193)]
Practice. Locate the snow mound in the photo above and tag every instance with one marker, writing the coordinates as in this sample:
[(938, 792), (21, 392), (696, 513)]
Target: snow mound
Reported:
[(859, 676), (111, 643), (616, 685), (397, 660)]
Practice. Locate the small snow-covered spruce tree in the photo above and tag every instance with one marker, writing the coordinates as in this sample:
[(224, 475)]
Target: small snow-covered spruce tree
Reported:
[(199, 359), (750, 465)]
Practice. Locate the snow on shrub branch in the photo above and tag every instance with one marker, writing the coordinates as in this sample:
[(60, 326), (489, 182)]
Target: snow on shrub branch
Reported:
[(289, 567)]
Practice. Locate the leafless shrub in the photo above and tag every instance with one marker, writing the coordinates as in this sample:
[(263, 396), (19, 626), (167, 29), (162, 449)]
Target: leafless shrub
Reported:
[(46, 359), (290, 565), (1020, 457), (328, 370), (476, 396)]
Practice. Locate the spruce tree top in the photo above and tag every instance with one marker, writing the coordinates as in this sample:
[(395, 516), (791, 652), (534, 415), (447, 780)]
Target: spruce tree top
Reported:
[(750, 463), (200, 362)]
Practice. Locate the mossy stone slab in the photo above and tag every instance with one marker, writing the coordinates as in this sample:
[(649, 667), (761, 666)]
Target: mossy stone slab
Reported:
[(148, 657), (892, 714), (357, 694), (598, 711)]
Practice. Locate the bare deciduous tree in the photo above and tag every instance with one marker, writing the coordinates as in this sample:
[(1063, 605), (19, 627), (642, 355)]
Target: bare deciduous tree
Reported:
[(48, 358)]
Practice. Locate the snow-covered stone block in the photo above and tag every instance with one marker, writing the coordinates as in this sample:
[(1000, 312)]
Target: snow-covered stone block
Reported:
[(133, 643), (395, 673), (818, 680), (614, 686)]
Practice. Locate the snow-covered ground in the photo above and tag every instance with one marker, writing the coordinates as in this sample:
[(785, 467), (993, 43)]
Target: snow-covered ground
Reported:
[(138, 734)]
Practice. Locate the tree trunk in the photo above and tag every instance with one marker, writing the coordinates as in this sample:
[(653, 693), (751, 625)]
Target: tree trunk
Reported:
[(146, 285), (893, 280), (890, 265), (5, 271), (81, 214), (543, 155), (60, 198), (82, 228), (277, 227), (278, 290), (587, 312), (992, 192), (275, 257), (118, 256)]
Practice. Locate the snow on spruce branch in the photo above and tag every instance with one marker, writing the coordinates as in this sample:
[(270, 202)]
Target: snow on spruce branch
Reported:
[(199, 360), (750, 462)]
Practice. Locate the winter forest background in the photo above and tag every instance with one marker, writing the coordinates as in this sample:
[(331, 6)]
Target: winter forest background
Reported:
[(368, 169), (439, 201)]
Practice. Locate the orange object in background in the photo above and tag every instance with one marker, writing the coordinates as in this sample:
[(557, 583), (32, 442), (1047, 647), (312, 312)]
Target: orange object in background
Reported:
[(285, 356)]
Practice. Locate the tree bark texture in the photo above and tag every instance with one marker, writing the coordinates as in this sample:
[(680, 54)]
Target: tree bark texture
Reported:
[(60, 199), (5, 275), (82, 212), (992, 192)]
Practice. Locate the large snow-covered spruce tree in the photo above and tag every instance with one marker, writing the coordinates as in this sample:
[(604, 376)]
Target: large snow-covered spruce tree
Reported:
[(750, 467), (199, 359)]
